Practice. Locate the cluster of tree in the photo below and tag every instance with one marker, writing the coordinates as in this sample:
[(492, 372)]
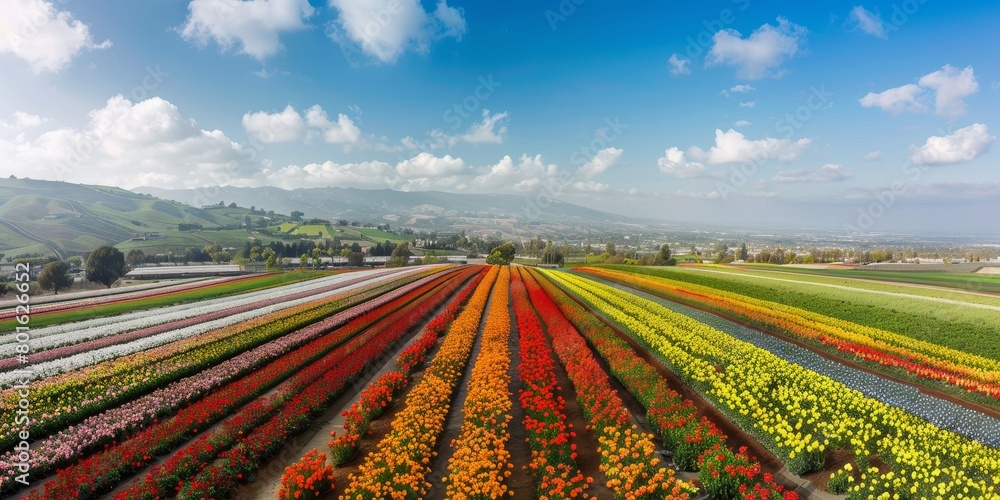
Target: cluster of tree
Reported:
[(382, 249), (189, 226), (104, 265), (400, 255)]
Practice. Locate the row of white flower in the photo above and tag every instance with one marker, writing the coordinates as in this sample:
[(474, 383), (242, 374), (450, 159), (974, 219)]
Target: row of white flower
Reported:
[(105, 292), (81, 360), (71, 333)]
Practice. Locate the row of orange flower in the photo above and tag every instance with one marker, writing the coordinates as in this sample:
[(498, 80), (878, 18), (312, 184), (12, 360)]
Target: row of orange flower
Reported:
[(399, 466), (481, 461)]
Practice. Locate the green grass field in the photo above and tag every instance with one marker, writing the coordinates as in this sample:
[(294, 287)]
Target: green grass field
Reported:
[(963, 281)]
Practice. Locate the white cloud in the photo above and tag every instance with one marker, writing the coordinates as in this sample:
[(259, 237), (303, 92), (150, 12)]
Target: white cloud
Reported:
[(385, 29), (867, 21), (742, 89), (762, 53), (964, 144), (676, 163), (428, 165), (831, 172), (285, 126), (603, 160), (489, 131), (951, 86), (255, 24), (365, 175), (45, 37), (342, 131), (896, 100), (734, 147), (23, 121), (742, 123), (128, 144), (730, 147), (679, 65), (748, 104), (452, 19), (873, 156)]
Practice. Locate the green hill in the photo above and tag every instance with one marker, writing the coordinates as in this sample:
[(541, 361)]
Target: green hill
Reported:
[(64, 219)]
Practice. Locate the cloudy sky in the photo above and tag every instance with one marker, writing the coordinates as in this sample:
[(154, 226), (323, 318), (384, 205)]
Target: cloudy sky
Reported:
[(873, 117)]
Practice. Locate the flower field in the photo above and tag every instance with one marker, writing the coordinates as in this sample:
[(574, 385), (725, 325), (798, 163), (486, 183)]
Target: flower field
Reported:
[(472, 382)]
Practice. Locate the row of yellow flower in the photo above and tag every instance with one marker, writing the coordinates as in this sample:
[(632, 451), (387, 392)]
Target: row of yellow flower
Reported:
[(399, 466), (481, 462), (813, 325), (799, 413)]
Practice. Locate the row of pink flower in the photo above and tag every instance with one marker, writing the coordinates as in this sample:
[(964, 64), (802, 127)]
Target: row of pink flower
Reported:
[(70, 333), (89, 345), (277, 302), (51, 303), (76, 440), (98, 388)]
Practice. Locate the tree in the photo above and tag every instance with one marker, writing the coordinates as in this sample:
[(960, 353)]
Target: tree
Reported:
[(135, 257), (355, 259), (55, 276), (4, 286), (744, 253), (400, 255), (105, 265), (552, 254), (501, 254), (303, 260), (296, 216), (610, 249), (74, 262), (663, 257)]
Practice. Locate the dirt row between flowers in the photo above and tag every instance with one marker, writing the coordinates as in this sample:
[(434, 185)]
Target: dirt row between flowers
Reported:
[(736, 437)]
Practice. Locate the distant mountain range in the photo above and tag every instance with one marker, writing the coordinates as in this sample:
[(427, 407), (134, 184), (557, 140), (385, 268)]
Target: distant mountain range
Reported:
[(431, 209), (62, 219)]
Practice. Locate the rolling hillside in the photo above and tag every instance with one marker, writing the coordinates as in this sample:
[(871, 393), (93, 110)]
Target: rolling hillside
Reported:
[(58, 218)]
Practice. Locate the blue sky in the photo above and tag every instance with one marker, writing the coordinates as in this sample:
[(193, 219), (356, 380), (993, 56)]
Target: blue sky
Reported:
[(858, 117)]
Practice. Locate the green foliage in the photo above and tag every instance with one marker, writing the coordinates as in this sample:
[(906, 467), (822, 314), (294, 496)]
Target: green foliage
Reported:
[(501, 254), (105, 265), (55, 276), (355, 259), (400, 255), (663, 257)]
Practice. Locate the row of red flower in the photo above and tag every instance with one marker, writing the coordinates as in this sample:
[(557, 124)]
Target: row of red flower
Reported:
[(694, 441), (105, 469), (553, 454), (627, 459)]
